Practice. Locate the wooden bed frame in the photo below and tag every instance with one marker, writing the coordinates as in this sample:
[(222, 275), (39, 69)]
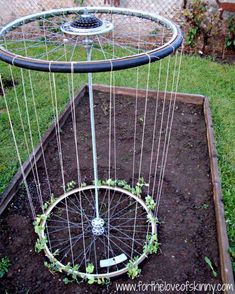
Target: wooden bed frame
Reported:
[(225, 261), (225, 6)]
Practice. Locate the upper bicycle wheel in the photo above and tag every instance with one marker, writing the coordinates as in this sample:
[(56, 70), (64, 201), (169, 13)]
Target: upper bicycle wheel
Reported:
[(55, 40)]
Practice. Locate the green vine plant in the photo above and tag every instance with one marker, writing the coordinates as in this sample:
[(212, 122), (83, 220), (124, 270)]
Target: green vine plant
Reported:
[(83, 185), (152, 245), (137, 190), (92, 280), (38, 228), (150, 203), (152, 219), (98, 281), (53, 267), (40, 244), (49, 202), (70, 186), (72, 271), (90, 268), (133, 270)]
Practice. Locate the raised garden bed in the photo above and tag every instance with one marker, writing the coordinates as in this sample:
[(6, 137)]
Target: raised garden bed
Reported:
[(191, 209)]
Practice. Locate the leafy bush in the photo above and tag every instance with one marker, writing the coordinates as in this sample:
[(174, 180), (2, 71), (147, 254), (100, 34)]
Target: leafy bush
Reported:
[(203, 23), (230, 38)]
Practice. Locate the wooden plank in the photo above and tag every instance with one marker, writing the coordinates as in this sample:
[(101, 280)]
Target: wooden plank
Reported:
[(225, 6), (11, 190), (186, 98), (225, 260)]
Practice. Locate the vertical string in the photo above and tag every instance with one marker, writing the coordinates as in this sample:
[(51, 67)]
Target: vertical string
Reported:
[(167, 130), (22, 122), (40, 136), (51, 89), (38, 184), (110, 149), (21, 117), (73, 111), (18, 152), (39, 133), (155, 117), (61, 162), (58, 131), (161, 125), (171, 125), (114, 112), (145, 116), (134, 147)]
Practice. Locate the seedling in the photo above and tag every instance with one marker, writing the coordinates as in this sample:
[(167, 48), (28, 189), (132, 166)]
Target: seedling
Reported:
[(4, 266), (209, 263), (55, 253), (53, 267), (152, 245), (122, 183), (73, 271), (111, 182), (67, 281), (40, 244), (141, 183), (70, 186), (68, 267), (152, 219), (137, 190), (133, 270), (90, 268), (37, 223), (150, 203), (49, 202), (205, 206), (100, 281)]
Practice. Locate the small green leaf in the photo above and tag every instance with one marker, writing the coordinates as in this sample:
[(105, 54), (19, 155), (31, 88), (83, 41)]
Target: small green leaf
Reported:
[(90, 268), (209, 263), (4, 266)]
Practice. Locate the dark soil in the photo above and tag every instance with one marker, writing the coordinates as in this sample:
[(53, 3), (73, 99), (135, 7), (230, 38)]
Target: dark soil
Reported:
[(188, 230)]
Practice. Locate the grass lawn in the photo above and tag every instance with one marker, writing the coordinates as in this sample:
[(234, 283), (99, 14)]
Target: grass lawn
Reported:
[(199, 76)]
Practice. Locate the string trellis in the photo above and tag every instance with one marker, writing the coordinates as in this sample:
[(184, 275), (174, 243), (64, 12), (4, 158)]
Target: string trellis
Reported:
[(100, 221)]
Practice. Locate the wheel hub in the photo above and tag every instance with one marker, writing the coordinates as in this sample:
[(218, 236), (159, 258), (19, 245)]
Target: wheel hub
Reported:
[(87, 25), (97, 226)]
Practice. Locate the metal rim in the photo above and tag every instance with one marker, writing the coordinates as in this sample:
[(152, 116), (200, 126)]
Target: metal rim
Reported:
[(83, 275), (92, 66)]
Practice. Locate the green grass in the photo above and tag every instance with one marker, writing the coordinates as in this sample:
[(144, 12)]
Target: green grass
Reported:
[(199, 76)]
